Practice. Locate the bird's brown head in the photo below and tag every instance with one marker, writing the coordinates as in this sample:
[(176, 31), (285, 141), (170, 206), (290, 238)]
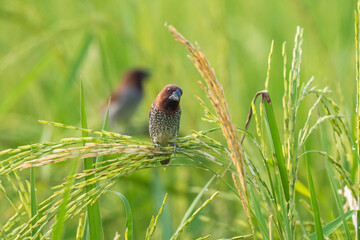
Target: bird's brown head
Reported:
[(168, 99), (135, 77)]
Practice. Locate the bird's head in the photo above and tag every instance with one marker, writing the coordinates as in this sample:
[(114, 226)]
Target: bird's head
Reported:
[(135, 77), (168, 99)]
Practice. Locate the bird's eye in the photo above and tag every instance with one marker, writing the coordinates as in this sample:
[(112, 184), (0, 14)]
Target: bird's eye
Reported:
[(168, 90)]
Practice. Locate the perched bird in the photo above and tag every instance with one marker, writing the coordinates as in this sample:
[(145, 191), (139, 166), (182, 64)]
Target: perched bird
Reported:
[(127, 97), (164, 117)]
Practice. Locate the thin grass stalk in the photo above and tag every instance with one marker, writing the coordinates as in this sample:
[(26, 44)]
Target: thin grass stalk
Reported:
[(314, 204), (81, 227), (357, 55), (215, 93), (195, 201), (203, 238), (270, 228), (260, 218), (182, 227), (61, 213), (154, 220), (101, 158), (338, 201), (267, 79), (285, 101), (357, 224), (79, 60), (269, 65), (334, 187), (291, 98), (33, 202), (284, 221), (23, 192), (357, 141), (95, 223)]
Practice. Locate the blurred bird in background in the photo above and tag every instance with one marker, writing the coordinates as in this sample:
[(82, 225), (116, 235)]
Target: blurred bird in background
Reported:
[(126, 98), (164, 117)]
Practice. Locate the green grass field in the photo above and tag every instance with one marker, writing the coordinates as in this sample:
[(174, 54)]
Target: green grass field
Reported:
[(47, 48)]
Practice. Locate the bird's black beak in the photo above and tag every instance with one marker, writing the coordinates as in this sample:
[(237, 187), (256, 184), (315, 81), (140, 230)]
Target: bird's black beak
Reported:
[(175, 96)]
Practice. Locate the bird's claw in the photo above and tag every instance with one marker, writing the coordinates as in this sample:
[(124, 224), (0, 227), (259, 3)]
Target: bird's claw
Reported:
[(157, 146), (174, 145)]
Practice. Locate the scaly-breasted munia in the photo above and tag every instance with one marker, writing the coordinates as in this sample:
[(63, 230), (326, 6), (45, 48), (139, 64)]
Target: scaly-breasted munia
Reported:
[(164, 117), (127, 97)]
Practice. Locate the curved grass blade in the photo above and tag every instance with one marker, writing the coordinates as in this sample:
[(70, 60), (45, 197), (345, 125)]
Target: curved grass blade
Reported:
[(277, 144), (332, 226), (129, 220)]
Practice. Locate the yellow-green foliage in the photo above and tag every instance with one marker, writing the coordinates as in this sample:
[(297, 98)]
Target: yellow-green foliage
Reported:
[(47, 47)]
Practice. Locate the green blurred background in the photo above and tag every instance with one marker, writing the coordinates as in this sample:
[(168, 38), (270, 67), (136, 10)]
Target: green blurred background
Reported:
[(46, 47)]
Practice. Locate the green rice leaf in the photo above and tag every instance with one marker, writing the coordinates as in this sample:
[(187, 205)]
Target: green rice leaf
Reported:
[(332, 226), (129, 219), (270, 116)]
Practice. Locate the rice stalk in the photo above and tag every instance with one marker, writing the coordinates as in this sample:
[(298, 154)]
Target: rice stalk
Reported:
[(181, 228), (153, 223), (139, 155), (215, 93), (81, 227)]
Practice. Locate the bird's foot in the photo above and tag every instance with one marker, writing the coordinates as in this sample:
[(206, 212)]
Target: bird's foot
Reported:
[(174, 145), (157, 146)]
